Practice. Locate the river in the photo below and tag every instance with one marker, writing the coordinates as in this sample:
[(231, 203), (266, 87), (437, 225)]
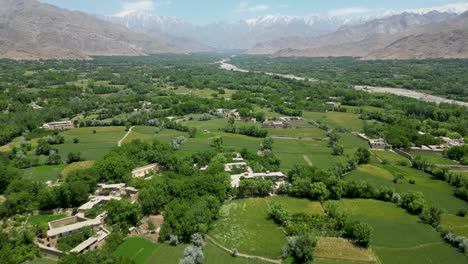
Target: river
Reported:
[(225, 65)]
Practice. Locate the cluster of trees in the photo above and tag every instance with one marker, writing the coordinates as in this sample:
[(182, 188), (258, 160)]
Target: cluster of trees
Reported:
[(335, 223), (252, 131), (254, 188), (459, 153)]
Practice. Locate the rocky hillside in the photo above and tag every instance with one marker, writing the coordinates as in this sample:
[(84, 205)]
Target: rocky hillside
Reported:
[(357, 40), (33, 30)]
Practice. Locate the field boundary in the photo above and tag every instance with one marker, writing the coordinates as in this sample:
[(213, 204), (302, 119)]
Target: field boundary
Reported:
[(212, 240)]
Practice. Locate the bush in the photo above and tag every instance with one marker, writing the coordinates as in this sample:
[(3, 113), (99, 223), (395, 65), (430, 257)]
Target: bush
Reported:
[(413, 202), (461, 212), (300, 249), (173, 240), (362, 232)]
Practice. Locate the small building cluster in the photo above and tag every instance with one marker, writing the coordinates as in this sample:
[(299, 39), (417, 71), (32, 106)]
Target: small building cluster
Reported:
[(228, 113), (446, 143), (277, 177), (73, 224), (281, 122), (60, 125), (374, 143)]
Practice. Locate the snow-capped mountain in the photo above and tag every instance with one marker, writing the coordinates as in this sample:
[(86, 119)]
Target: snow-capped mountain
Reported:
[(241, 34)]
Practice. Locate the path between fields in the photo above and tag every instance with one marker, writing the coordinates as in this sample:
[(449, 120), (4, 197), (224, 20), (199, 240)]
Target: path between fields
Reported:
[(306, 158), (124, 137), (212, 240)]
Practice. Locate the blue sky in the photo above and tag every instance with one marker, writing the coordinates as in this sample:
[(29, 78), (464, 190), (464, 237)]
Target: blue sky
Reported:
[(207, 11)]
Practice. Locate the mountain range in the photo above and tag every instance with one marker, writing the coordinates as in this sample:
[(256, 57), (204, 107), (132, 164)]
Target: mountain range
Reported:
[(33, 30)]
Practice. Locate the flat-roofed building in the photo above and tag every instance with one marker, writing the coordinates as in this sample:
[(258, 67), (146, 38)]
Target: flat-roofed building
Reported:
[(60, 125), (145, 170)]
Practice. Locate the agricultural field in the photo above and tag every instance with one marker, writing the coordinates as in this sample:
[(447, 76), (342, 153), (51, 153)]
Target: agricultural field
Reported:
[(337, 120), (245, 225), (149, 133), (166, 253), (399, 237), (433, 158), (44, 173), (81, 165), (456, 224), (438, 193), (91, 145), (137, 249), (341, 249), (389, 157), (311, 132), (297, 205)]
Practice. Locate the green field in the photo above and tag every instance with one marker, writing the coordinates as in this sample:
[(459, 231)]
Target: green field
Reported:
[(137, 249), (389, 156), (337, 120), (433, 158), (438, 193), (149, 133), (92, 146), (297, 205), (212, 125), (399, 237), (231, 141), (298, 132), (245, 225), (43, 173), (43, 219), (168, 254), (456, 224)]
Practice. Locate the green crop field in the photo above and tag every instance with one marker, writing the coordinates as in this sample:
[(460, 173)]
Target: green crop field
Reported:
[(92, 146), (389, 156), (231, 141), (399, 237), (438, 193), (81, 165), (43, 219), (336, 120), (434, 158), (149, 133), (215, 255), (212, 125), (43, 173), (297, 205), (166, 253), (245, 225), (137, 249), (456, 224), (298, 132)]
